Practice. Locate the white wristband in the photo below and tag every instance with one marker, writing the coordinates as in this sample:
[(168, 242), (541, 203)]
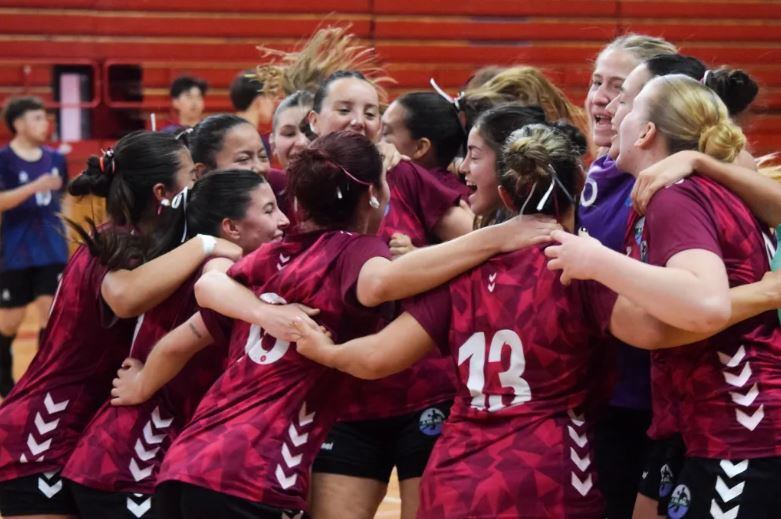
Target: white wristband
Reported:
[(209, 243)]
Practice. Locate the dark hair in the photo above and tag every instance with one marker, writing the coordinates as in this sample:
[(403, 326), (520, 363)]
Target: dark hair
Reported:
[(184, 83), (299, 98), (322, 91), (665, 64), (125, 177), (536, 156), (217, 195), (16, 107), (430, 116), (320, 177), (496, 124), (244, 89), (735, 87), (206, 139)]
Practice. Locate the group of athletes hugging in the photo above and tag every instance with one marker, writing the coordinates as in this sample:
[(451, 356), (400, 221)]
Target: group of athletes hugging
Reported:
[(542, 338)]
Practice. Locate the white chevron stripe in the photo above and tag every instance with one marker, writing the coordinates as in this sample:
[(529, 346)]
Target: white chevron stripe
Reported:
[(291, 461), (142, 453), (750, 422), (738, 380), (733, 469), (303, 418), (297, 439), (582, 487), (139, 473), (747, 399), (150, 437), (52, 407), (158, 421), (717, 513), (580, 440), (582, 463), (44, 427), (38, 448), (728, 494), (732, 362), (139, 509), (49, 490), (284, 480), (577, 419)]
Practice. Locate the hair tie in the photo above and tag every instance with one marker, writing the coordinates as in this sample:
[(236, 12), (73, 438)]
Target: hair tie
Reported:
[(351, 177), (704, 79), (181, 199), (106, 161), (455, 101)]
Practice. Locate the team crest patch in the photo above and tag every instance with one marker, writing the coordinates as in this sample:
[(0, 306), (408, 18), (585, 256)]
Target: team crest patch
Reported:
[(666, 481), (679, 502), (431, 421)]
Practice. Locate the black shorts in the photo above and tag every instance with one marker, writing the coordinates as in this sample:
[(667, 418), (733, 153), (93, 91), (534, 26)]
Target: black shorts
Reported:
[(662, 471), (40, 494), (176, 500), (371, 448), (738, 489), (23, 286), (97, 504), (621, 449)]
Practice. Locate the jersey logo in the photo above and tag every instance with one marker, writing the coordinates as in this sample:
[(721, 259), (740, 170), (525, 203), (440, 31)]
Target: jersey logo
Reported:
[(431, 421), (680, 502), (283, 261), (492, 282), (748, 418), (579, 453), (23, 177), (138, 508), (145, 448), (7, 295), (589, 194), (37, 448), (49, 484), (666, 480), (298, 434)]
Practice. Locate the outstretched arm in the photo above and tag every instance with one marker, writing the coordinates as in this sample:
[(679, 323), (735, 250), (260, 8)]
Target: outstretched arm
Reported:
[(761, 194), (132, 292), (397, 347), (136, 382), (691, 292), (422, 269), (15, 197)]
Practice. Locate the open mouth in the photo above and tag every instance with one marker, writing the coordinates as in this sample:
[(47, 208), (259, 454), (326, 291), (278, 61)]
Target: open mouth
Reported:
[(472, 187), (603, 120)]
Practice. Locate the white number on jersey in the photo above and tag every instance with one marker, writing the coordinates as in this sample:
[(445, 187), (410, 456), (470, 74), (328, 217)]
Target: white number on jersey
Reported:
[(43, 198), (257, 353), (474, 350)]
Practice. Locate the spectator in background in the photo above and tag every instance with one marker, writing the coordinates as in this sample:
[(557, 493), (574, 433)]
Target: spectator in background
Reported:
[(32, 244), (187, 95), (249, 102)]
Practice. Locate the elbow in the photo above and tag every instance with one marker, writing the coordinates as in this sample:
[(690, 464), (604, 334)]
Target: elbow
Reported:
[(711, 315), (204, 287), (370, 370), (119, 300), (376, 291)]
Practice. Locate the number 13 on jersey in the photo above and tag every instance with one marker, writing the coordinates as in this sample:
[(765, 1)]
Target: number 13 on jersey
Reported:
[(474, 351)]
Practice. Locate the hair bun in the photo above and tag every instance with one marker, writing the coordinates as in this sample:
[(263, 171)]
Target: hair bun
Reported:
[(526, 155), (92, 181), (723, 141), (735, 87)]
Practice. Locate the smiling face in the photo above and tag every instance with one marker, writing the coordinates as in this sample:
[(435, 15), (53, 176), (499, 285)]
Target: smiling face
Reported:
[(350, 104), (479, 167), (242, 148), (395, 131), (263, 222), (622, 104), (610, 71), (287, 139)]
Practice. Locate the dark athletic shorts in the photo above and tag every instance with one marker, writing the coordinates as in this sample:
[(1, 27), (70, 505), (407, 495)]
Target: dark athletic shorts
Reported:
[(371, 448)]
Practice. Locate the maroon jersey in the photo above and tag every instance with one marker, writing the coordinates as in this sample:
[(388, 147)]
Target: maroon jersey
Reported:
[(529, 357), (452, 181), (259, 427), (69, 377), (417, 202), (122, 448), (729, 386)]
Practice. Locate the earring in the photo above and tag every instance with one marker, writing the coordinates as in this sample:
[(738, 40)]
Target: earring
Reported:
[(374, 203)]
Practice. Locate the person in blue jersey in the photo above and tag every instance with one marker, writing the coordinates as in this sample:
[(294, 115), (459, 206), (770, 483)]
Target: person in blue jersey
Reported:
[(32, 238)]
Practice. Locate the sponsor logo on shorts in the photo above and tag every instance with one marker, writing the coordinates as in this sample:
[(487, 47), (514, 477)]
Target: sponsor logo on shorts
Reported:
[(6, 295), (431, 421), (327, 446), (679, 502), (665, 481)]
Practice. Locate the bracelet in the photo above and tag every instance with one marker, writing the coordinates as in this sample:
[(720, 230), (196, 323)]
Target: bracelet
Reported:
[(209, 243)]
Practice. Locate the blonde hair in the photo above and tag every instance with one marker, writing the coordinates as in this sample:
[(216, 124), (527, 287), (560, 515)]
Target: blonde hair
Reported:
[(692, 117), (532, 156), (642, 47), (328, 50), (526, 86), (769, 166)]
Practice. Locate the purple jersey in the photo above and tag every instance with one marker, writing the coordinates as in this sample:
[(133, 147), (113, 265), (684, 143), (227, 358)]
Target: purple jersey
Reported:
[(69, 378), (730, 384), (418, 201), (259, 427), (516, 443), (122, 448), (604, 210), (32, 234)]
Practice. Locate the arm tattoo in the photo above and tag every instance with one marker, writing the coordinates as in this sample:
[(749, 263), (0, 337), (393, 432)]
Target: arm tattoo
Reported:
[(195, 331)]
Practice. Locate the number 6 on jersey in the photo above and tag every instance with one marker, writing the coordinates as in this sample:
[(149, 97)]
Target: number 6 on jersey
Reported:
[(474, 350)]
